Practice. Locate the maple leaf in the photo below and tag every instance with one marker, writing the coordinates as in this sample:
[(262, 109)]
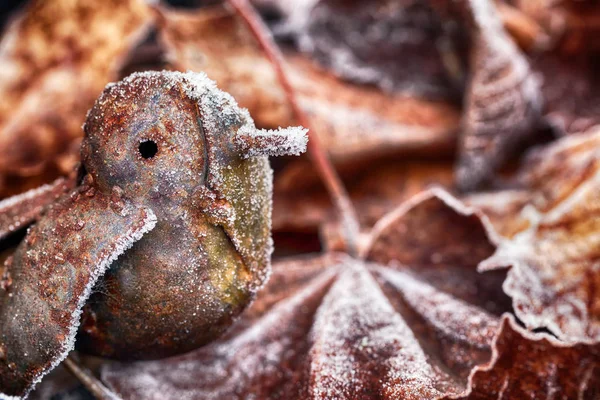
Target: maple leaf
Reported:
[(426, 325)]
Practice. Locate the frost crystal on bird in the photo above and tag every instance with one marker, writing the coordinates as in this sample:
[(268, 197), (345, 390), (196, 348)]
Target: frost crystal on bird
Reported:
[(253, 142), (166, 174)]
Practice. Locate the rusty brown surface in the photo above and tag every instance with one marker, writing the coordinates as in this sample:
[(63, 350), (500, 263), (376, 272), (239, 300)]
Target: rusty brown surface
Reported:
[(51, 275), (161, 151), (19, 211), (210, 250), (56, 57)]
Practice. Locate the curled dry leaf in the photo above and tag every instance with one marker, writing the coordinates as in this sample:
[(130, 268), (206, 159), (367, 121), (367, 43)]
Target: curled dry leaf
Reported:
[(354, 122), (523, 365), (554, 273), (52, 70), (503, 102)]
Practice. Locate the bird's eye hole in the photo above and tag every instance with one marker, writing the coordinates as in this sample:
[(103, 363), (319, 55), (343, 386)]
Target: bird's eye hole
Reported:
[(148, 149)]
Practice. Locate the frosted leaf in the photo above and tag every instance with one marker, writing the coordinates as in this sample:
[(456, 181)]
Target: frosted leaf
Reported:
[(503, 100), (526, 365), (52, 274), (354, 121), (551, 233), (299, 206), (362, 42)]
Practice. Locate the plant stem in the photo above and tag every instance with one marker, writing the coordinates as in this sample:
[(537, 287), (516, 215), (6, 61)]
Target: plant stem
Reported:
[(321, 161), (91, 383)]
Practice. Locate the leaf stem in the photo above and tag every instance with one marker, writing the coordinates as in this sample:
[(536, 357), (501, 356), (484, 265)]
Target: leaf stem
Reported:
[(320, 159)]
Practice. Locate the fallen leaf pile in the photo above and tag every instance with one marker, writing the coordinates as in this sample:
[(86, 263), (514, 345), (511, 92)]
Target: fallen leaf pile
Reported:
[(467, 134)]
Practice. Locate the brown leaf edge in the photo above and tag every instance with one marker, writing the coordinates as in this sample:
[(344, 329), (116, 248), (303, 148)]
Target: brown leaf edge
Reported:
[(435, 192), (535, 358)]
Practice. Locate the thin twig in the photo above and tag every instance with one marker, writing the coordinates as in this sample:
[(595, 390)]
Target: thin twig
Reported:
[(91, 383), (328, 174)]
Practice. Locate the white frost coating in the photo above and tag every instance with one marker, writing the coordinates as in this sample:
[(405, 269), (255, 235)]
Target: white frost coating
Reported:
[(355, 317), (7, 397), (254, 142), (450, 316), (120, 247)]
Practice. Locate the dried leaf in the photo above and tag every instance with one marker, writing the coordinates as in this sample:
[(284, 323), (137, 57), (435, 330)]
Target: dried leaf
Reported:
[(535, 366), (53, 69), (554, 275), (374, 191), (354, 122), (503, 102), (339, 328), (363, 42), (437, 236)]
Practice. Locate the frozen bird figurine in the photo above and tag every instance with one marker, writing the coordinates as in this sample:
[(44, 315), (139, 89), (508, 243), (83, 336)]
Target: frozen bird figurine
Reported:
[(163, 241)]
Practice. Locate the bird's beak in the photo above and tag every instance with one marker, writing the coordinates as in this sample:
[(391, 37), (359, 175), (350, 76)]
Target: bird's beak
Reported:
[(252, 142)]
